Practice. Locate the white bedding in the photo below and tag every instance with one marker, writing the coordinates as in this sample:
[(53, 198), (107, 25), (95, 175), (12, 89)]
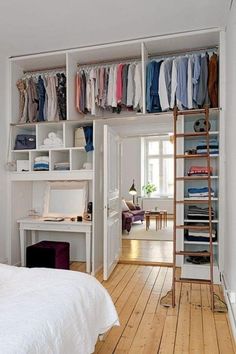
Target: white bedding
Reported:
[(52, 311)]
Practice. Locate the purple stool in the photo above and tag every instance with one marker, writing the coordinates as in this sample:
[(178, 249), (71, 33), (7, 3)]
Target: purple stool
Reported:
[(48, 254)]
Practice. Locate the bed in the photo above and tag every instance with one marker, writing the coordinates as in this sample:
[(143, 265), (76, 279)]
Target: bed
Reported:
[(52, 311)]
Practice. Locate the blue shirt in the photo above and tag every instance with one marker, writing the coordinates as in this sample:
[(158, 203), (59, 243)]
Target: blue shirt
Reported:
[(182, 81)]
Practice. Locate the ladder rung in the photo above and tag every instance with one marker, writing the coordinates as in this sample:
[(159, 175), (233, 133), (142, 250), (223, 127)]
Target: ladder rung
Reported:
[(193, 156), (190, 280), (192, 227), (189, 135), (193, 254), (194, 201)]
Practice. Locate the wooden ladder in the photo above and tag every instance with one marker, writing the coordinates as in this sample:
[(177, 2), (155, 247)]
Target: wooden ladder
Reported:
[(208, 201)]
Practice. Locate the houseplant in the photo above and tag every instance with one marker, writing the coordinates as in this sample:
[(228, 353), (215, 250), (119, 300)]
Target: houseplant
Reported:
[(149, 188)]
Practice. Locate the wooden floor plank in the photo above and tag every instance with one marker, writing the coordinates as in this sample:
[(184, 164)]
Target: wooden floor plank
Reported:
[(125, 306), (154, 337), (143, 332), (133, 323), (183, 326), (209, 329), (149, 328), (196, 326)]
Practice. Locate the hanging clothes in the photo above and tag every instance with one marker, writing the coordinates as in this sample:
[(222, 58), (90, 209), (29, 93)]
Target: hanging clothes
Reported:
[(114, 87), (182, 83), (202, 94), (213, 80), (152, 86), (42, 97), (165, 84)]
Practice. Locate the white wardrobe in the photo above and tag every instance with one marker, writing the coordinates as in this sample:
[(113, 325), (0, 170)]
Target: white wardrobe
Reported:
[(26, 188)]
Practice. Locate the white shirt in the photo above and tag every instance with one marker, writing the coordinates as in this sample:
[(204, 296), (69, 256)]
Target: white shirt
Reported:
[(110, 86), (114, 99), (173, 83), (138, 86), (163, 94), (130, 86)]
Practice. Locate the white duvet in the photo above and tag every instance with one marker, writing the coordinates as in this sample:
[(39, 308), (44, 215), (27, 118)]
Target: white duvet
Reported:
[(52, 311)]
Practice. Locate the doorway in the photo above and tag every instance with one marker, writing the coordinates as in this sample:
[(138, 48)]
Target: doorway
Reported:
[(146, 159)]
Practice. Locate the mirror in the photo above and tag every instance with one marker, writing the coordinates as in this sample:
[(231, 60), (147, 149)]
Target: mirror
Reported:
[(65, 199)]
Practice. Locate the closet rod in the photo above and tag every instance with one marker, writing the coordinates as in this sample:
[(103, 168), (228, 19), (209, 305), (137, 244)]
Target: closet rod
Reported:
[(178, 52), (59, 68), (110, 62)]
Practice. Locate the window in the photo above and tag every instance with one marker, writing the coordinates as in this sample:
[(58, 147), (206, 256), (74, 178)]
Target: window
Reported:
[(159, 165)]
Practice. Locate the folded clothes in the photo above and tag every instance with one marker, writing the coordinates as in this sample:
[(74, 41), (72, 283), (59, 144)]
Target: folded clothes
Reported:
[(41, 166), (200, 192), (194, 213), (199, 259), (41, 158), (199, 235), (199, 171), (62, 166), (205, 151)]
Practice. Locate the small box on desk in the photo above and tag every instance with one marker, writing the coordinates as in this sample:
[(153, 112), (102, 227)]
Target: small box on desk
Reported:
[(48, 254)]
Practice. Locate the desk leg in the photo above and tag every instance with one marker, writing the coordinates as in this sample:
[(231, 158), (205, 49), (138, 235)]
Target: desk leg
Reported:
[(33, 237), (22, 246), (88, 252)]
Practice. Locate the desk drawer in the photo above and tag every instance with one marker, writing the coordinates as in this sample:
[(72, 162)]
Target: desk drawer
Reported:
[(56, 226)]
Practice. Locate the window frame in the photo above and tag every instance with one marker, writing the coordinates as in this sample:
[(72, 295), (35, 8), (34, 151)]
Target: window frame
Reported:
[(161, 157)]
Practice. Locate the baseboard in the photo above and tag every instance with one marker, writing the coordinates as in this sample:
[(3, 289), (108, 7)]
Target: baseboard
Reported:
[(4, 260), (231, 314)]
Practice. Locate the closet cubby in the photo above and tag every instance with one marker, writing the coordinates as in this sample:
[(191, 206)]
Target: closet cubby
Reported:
[(43, 131), (18, 130), (31, 64), (59, 156), (34, 154)]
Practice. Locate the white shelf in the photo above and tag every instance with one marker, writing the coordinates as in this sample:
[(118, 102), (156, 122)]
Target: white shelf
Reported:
[(52, 175), (200, 199), (202, 221), (200, 243)]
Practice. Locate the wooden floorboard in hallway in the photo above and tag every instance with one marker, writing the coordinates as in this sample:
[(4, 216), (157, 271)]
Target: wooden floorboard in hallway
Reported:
[(149, 328)]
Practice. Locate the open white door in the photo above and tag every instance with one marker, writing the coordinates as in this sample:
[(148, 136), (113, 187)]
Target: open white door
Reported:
[(112, 207)]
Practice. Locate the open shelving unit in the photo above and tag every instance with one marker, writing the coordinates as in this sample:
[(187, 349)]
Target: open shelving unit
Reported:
[(185, 142)]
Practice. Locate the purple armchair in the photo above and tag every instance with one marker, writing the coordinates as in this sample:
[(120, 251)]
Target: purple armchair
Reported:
[(128, 217)]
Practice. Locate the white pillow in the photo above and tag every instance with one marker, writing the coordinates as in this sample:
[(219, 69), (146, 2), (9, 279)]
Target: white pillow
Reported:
[(124, 206)]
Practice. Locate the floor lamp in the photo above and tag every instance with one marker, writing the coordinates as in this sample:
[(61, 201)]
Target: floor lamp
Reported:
[(133, 191)]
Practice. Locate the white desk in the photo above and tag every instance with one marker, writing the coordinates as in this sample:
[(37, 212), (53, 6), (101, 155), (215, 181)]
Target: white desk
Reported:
[(35, 224)]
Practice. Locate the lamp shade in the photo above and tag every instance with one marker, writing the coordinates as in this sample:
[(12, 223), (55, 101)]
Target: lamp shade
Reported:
[(132, 189)]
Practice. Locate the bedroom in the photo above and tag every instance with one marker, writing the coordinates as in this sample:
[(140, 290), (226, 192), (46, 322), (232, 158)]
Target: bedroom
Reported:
[(34, 44)]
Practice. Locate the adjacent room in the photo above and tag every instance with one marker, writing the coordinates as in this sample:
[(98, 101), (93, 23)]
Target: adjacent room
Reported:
[(147, 182), (117, 172)]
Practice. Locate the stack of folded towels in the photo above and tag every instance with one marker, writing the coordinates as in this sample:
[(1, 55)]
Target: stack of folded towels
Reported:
[(213, 147), (54, 140), (41, 163), (61, 166), (195, 213), (200, 192), (199, 171)]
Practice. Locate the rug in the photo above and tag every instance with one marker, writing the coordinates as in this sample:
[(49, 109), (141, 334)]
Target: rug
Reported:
[(138, 232)]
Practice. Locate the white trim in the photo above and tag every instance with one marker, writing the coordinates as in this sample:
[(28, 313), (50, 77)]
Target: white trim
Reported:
[(232, 316)]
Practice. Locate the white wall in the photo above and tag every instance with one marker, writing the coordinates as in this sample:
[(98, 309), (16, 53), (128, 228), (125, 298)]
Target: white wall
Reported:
[(230, 232), (3, 158), (130, 166)]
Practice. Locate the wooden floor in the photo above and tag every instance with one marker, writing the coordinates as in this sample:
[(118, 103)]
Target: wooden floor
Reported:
[(147, 251), (147, 327)]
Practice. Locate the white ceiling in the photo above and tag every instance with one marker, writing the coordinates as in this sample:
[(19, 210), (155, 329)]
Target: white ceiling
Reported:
[(29, 26)]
